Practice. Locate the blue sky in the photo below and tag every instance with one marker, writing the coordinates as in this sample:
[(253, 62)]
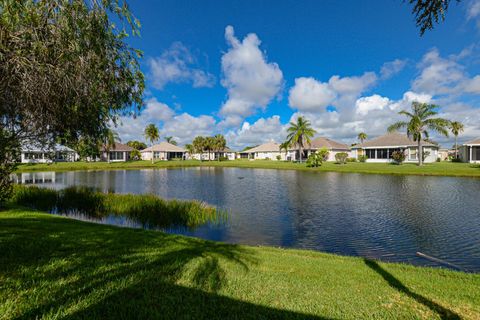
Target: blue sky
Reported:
[(247, 68)]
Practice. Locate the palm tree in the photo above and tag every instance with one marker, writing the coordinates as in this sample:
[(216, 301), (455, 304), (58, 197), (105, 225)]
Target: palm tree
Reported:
[(420, 121), (284, 146), (110, 140), (190, 149), (362, 136), (199, 145), (456, 127), (170, 140), (209, 145), (151, 133), (219, 144), (300, 133)]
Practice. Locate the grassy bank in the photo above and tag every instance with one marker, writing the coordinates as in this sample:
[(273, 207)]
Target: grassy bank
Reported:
[(54, 267), (147, 210), (437, 168)]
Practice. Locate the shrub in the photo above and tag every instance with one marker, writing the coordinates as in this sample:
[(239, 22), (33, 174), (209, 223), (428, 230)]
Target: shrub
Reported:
[(398, 157), (341, 157), (223, 159), (456, 160), (135, 155), (351, 160), (362, 158), (323, 153), (279, 158), (315, 159)]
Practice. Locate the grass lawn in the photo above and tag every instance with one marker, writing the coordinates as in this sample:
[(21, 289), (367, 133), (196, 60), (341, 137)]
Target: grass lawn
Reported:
[(437, 168), (55, 267)]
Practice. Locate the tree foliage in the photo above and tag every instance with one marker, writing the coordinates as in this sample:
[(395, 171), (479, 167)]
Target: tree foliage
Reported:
[(299, 134), (66, 71), (341, 157), (428, 12), (317, 158), (138, 145), (421, 121), (456, 128)]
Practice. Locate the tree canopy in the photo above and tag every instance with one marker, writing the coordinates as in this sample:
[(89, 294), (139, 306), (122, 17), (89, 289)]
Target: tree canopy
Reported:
[(429, 12)]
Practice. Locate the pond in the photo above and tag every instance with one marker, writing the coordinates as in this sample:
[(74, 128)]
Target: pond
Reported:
[(385, 217)]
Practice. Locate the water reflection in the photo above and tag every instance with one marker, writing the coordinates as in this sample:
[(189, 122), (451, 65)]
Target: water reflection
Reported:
[(373, 216)]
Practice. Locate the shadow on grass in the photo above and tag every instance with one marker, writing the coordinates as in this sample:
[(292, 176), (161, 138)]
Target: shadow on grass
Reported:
[(443, 312), (77, 270)]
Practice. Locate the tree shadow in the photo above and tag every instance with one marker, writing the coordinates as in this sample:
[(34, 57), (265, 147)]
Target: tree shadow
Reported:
[(443, 312), (103, 272)]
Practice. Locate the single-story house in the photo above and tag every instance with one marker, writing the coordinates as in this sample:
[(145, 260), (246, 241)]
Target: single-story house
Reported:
[(316, 144), (266, 151), (31, 154), (163, 151), (381, 148), (213, 155), (117, 153), (470, 151)]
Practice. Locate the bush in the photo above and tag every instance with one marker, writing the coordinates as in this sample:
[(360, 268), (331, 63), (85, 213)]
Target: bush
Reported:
[(341, 157), (135, 155), (315, 160), (223, 159), (351, 160), (398, 157), (456, 160), (279, 158), (362, 158)]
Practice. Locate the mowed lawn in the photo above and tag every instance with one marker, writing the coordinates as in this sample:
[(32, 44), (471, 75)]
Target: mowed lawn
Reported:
[(57, 268), (437, 168)]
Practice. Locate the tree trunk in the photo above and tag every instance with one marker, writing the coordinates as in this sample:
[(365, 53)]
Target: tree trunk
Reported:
[(300, 152), (152, 154), (420, 152), (456, 148)]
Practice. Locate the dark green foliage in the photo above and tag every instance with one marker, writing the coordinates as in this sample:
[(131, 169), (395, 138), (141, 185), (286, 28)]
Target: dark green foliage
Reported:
[(362, 158), (399, 157), (137, 145), (317, 158), (351, 160), (428, 12), (149, 210), (135, 155), (341, 157)]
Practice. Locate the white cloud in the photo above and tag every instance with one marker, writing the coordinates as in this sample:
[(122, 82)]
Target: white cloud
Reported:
[(261, 131), (391, 68), (473, 85), (154, 112), (366, 104), (250, 80), (473, 9), (309, 94), (184, 127), (177, 65)]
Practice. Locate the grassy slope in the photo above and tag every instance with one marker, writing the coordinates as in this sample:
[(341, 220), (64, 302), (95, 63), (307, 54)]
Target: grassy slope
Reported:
[(438, 168), (61, 268)]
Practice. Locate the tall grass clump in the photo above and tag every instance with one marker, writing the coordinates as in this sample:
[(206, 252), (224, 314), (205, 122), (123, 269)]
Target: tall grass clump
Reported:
[(148, 210)]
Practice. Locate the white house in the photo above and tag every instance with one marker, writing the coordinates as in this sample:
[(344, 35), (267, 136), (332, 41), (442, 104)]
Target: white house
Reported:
[(381, 149), (266, 151), (163, 151), (117, 153), (213, 155), (316, 144), (470, 151), (31, 154)]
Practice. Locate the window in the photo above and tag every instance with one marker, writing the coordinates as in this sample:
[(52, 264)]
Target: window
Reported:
[(413, 154), (116, 155), (370, 153), (476, 153), (382, 153)]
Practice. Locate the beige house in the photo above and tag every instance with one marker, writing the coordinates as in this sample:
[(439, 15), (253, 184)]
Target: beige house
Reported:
[(163, 151), (333, 148), (266, 151), (213, 155), (117, 153), (470, 151), (381, 149)]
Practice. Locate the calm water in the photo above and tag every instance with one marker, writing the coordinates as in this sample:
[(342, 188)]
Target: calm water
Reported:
[(375, 216)]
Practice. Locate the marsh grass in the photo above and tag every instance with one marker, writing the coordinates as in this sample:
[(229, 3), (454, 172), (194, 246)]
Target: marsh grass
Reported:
[(148, 210)]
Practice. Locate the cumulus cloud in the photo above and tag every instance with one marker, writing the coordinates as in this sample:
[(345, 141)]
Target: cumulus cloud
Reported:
[(184, 127), (309, 94), (473, 11), (178, 65), (261, 131), (366, 104), (250, 80), (391, 68)]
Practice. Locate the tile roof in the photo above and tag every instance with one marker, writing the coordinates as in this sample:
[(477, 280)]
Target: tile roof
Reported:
[(119, 147), (266, 147), (474, 141), (164, 147), (393, 139)]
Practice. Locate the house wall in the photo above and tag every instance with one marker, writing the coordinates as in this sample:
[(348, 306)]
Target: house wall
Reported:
[(411, 154), (126, 156), (270, 155), (43, 157), (293, 154), (470, 154)]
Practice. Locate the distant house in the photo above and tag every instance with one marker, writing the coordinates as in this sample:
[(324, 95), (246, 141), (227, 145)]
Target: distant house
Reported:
[(381, 149), (316, 144), (117, 153), (266, 151), (213, 155), (470, 151), (31, 154), (163, 151)]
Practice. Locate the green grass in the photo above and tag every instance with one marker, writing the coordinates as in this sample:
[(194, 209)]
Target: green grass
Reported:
[(146, 209), (437, 168), (57, 268)]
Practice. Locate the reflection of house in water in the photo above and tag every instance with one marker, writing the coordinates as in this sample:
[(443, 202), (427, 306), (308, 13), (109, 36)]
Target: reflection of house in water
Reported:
[(34, 178)]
